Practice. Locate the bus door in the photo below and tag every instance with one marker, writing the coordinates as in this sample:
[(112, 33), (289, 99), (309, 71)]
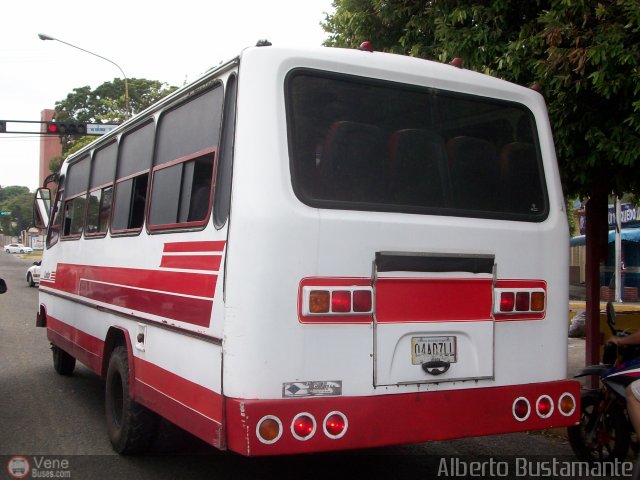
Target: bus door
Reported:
[(433, 317)]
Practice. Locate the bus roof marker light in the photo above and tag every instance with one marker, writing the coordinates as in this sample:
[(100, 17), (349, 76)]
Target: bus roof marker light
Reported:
[(366, 46), (456, 62)]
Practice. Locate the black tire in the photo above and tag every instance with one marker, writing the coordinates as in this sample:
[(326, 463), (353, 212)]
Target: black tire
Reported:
[(601, 436), (21, 251), (30, 280), (63, 363), (131, 426)]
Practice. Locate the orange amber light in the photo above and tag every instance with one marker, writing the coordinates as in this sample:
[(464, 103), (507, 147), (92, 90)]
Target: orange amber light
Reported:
[(319, 301), (269, 430), (537, 301)]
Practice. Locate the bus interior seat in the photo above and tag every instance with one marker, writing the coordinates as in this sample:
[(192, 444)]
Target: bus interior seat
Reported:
[(353, 164), (520, 178), (419, 174), (474, 167)]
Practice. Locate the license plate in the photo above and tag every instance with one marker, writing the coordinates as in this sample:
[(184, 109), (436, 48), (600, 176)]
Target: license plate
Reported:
[(429, 349)]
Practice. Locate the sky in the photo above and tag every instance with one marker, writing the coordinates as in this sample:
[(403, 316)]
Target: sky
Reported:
[(172, 42)]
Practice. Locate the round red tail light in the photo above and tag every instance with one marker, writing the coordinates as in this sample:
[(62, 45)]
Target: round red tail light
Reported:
[(303, 426), (335, 425), (521, 409), (544, 406)]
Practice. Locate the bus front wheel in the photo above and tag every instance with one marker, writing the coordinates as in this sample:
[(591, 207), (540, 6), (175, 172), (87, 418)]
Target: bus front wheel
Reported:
[(131, 426)]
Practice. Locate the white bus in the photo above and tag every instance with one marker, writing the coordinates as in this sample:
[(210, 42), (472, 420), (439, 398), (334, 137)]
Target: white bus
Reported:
[(312, 250)]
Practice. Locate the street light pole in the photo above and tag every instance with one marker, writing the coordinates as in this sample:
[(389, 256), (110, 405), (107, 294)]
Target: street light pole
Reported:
[(43, 36)]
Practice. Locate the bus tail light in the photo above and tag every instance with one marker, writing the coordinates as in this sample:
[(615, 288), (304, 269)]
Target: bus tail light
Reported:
[(319, 301), (544, 406), (362, 301), (522, 301), (519, 301), (269, 429), (347, 300), (537, 301), (521, 409), (303, 426), (341, 301), (507, 301), (335, 425), (567, 404)]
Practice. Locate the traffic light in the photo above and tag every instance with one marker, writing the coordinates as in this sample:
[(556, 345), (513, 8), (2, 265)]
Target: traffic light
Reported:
[(66, 128)]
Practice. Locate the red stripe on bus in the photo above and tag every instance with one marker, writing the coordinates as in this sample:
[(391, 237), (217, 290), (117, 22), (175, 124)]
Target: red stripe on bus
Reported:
[(192, 262), (196, 397), (86, 348), (187, 404), (186, 283), (178, 247), (194, 311), (402, 300)]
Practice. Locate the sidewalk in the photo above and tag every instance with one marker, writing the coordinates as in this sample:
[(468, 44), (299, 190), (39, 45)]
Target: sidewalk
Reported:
[(576, 356)]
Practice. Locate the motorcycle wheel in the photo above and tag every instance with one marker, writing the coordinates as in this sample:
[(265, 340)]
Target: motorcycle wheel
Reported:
[(600, 436)]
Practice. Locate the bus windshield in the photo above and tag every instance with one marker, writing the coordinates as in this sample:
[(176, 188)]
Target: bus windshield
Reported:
[(363, 144)]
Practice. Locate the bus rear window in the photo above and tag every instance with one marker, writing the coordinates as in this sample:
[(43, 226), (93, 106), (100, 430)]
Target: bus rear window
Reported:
[(361, 144)]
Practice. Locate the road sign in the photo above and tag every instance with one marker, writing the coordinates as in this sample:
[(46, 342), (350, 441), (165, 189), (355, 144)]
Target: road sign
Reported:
[(99, 129)]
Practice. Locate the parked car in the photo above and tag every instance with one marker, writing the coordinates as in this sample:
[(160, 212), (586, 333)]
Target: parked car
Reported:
[(33, 274), (17, 248)]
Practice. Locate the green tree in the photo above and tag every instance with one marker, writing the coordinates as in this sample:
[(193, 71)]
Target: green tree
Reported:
[(18, 201), (106, 104), (585, 53)]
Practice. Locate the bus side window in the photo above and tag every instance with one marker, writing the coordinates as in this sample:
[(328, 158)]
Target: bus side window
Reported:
[(186, 149), (135, 154), (222, 200), (73, 217), (75, 192), (101, 190)]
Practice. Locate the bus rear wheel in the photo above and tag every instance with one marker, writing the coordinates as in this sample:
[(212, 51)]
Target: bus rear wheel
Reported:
[(131, 426), (63, 363)]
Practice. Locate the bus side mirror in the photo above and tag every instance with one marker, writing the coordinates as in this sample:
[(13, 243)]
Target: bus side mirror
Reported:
[(41, 207), (3, 286)]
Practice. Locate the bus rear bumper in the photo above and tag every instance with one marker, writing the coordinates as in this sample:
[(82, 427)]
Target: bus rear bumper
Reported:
[(396, 419)]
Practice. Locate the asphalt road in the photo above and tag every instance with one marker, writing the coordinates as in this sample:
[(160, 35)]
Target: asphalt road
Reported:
[(57, 424)]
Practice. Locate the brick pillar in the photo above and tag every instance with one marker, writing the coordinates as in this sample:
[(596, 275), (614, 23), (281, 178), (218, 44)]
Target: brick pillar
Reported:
[(50, 147)]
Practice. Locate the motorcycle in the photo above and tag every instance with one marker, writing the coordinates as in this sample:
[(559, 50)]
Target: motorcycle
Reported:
[(605, 432)]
